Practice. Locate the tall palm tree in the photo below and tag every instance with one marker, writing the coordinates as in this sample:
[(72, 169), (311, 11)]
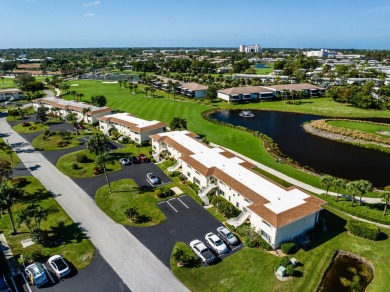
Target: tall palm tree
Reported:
[(326, 181), (135, 86), (85, 111), (120, 83), (8, 196), (339, 183), (24, 218), (80, 96), (72, 118), (385, 195), (364, 187), (102, 160), (98, 144), (152, 90), (147, 88)]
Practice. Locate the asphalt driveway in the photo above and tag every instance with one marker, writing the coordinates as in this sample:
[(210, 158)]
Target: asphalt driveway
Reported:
[(186, 221)]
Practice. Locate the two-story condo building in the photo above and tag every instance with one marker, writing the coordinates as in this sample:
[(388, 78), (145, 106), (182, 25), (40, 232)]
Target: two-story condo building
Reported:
[(60, 107), (278, 214), (249, 93), (11, 94), (135, 128)]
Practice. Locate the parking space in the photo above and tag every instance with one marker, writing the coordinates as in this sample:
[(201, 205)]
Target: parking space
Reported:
[(186, 221)]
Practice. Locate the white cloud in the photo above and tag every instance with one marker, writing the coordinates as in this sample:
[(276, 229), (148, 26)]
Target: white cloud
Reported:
[(89, 4), (89, 14)]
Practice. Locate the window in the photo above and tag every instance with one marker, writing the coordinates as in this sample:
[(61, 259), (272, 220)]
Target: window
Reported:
[(221, 182), (197, 172), (265, 235), (237, 205), (222, 193), (266, 223), (196, 181), (189, 167), (188, 174), (229, 198)]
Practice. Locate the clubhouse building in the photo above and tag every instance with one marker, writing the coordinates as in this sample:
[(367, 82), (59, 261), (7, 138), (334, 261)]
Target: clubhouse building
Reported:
[(278, 214)]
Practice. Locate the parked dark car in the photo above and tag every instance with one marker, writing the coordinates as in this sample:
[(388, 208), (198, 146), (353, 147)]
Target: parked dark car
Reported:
[(143, 159), (111, 145), (134, 160)]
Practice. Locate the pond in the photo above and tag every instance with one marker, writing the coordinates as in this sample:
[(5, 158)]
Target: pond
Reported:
[(323, 155), (259, 66), (346, 271)]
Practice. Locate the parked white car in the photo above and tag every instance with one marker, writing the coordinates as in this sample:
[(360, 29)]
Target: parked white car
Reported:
[(59, 265), (216, 243), (227, 235), (201, 250)]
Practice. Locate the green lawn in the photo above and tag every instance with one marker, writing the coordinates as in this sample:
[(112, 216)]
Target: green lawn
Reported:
[(31, 128), (76, 247), (9, 156), (165, 109), (252, 269), (28, 112), (364, 127), (64, 164), (50, 143), (7, 83), (265, 71)]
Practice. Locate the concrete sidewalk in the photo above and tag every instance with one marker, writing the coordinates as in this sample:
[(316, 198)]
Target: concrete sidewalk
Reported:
[(133, 262)]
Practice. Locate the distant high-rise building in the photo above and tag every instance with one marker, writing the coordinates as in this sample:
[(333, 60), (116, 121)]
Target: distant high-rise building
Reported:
[(250, 49)]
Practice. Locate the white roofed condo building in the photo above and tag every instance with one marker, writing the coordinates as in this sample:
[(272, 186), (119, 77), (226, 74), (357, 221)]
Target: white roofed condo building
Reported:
[(278, 214), (135, 128), (251, 49), (60, 107)]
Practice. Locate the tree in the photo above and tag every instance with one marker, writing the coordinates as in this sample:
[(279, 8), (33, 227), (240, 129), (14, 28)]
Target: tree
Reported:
[(152, 90), (79, 96), (72, 118), (385, 195), (326, 181), (211, 92), (180, 256), (102, 160), (178, 124), (364, 186), (135, 86), (8, 196), (5, 169), (132, 213), (131, 86), (85, 111), (147, 88), (338, 183), (24, 218), (41, 114), (99, 100), (98, 144), (175, 87)]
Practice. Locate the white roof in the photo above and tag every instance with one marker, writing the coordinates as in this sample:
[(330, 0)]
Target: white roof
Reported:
[(131, 119), (71, 103), (279, 198)]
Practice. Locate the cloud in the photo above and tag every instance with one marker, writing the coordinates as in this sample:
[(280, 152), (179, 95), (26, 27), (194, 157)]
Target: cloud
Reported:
[(90, 4), (89, 14)]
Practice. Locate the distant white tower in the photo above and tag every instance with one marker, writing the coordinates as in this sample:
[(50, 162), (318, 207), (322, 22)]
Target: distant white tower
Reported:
[(250, 49)]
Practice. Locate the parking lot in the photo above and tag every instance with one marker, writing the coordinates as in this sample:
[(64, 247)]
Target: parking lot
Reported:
[(186, 221)]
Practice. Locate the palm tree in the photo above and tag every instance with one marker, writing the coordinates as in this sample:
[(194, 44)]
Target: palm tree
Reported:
[(175, 87), (73, 93), (147, 88), (120, 83), (80, 96), (326, 181), (135, 86), (85, 111), (364, 187), (8, 196), (131, 86), (180, 256), (339, 183), (2, 79), (152, 90), (98, 144), (385, 195), (132, 213), (102, 160), (37, 213), (24, 218), (72, 118)]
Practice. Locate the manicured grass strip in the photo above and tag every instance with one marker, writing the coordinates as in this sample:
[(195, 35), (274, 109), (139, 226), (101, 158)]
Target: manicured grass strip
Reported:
[(252, 269), (127, 194), (5, 154), (65, 163), (76, 247), (51, 143), (364, 127), (32, 128)]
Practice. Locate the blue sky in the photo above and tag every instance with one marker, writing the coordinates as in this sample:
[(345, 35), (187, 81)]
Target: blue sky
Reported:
[(357, 24)]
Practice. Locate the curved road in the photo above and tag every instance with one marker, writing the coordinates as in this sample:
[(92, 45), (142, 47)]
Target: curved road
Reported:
[(139, 269)]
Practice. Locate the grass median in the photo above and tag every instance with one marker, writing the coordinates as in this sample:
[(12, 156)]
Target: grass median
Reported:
[(74, 245)]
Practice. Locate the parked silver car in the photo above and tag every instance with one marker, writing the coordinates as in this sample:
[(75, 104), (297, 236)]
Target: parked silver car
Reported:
[(227, 235), (59, 265), (153, 179), (216, 243), (201, 250)]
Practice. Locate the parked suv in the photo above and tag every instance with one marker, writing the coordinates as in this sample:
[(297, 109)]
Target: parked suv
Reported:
[(143, 159), (201, 250), (216, 243), (227, 236)]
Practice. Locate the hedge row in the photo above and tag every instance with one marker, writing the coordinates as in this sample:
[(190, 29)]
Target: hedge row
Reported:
[(225, 207), (288, 247), (364, 229), (251, 238)]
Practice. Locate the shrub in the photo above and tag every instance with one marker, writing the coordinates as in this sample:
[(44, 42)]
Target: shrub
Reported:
[(19, 182), (62, 143), (251, 238), (32, 128), (25, 124), (159, 194), (289, 270), (81, 158), (46, 133), (125, 139), (364, 229), (75, 166), (35, 256), (97, 170), (225, 207), (284, 261), (288, 247)]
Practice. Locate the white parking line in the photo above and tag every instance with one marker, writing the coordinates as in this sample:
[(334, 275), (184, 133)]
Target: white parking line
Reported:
[(49, 274), (183, 203), (13, 283), (236, 247), (171, 206), (27, 284)]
